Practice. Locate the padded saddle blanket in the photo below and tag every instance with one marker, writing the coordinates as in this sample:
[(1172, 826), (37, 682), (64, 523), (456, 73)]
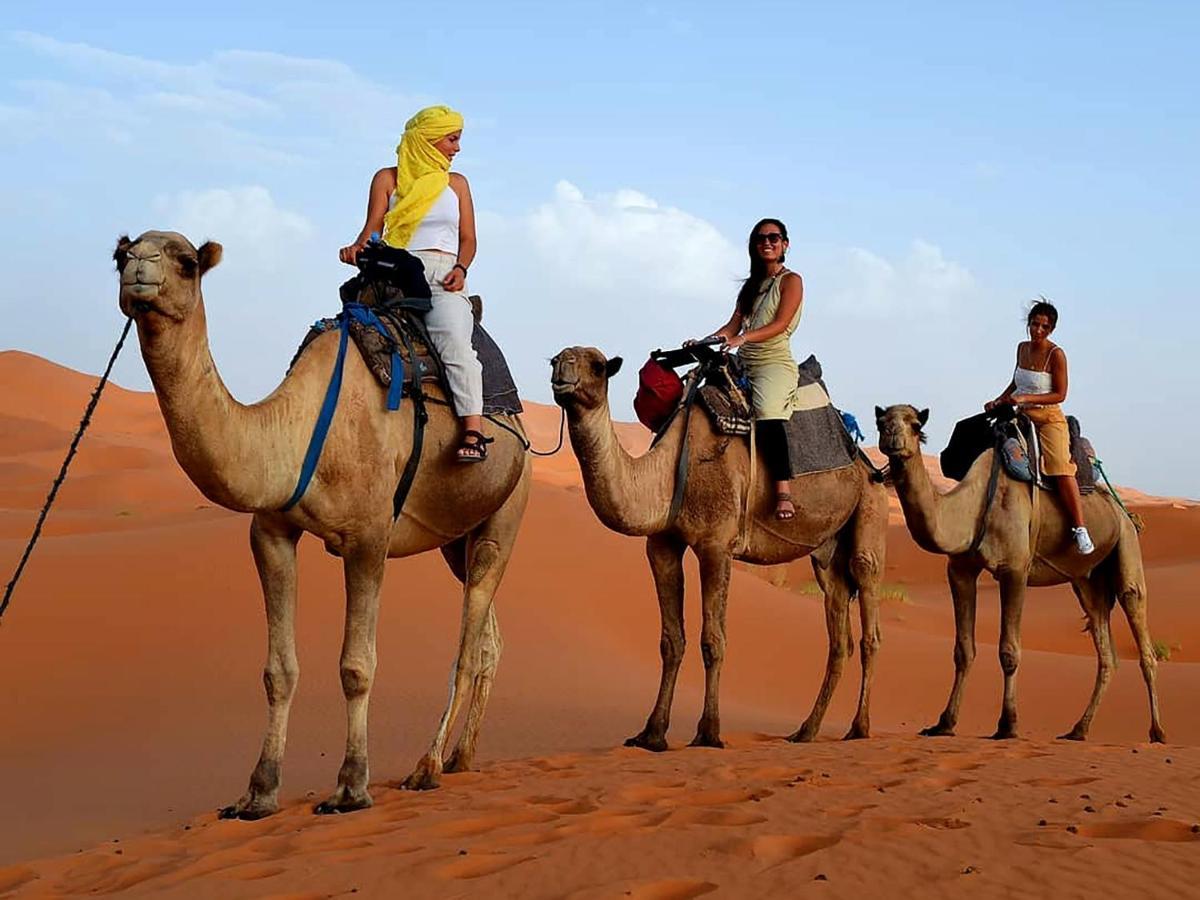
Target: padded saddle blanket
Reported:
[(817, 437), (499, 390), (975, 434)]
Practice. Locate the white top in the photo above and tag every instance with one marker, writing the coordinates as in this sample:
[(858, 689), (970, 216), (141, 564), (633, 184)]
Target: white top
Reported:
[(1033, 381), (439, 229)]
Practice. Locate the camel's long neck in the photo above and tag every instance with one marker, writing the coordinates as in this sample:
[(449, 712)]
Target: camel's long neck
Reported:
[(939, 523), (631, 495), (238, 456)]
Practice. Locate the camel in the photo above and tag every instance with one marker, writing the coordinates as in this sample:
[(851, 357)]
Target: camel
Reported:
[(1025, 542), (247, 459), (841, 521)]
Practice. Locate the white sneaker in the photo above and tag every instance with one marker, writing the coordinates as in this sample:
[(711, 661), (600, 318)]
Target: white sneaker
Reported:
[(1083, 540)]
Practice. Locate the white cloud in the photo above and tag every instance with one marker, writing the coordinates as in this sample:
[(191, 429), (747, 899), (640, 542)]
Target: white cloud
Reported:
[(246, 220), (858, 282)]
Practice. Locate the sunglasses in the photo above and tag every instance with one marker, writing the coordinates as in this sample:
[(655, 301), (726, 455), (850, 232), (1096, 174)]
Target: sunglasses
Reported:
[(772, 238)]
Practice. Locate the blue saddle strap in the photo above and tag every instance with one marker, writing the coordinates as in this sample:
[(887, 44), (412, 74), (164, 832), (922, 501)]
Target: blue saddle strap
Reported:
[(324, 418)]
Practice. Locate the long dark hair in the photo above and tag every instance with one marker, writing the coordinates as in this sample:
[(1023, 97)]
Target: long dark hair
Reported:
[(758, 268)]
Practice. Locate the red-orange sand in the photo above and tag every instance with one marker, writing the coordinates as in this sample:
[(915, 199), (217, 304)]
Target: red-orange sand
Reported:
[(131, 707)]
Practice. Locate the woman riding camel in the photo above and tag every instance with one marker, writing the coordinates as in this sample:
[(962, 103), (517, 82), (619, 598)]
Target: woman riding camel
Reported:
[(424, 208), (765, 316), (1038, 387)]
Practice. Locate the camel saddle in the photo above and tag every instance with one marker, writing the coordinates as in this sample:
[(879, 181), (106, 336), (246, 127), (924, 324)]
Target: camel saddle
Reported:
[(406, 334)]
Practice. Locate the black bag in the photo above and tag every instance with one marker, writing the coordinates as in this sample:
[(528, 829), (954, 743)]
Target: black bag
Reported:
[(971, 437)]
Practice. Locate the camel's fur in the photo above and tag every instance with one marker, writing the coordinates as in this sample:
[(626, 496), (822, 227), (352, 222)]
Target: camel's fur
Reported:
[(248, 458), (841, 519), (1019, 520)]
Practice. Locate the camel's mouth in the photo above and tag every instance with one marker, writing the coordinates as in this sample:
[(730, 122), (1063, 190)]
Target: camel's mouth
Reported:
[(562, 386), (138, 298)]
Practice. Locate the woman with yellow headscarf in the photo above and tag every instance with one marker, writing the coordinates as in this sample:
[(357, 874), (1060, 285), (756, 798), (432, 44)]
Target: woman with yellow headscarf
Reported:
[(424, 208)]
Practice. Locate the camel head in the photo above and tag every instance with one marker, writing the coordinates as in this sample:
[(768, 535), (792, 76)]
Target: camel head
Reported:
[(160, 274), (900, 430), (579, 377)]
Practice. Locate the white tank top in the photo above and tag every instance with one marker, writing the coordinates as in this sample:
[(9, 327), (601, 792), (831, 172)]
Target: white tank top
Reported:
[(1033, 381), (439, 229)]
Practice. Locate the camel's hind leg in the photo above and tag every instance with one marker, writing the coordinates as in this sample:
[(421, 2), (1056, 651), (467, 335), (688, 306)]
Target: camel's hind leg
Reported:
[(1094, 594), (866, 567), (665, 554), (491, 645), (489, 548), (1130, 587), (831, 569), (1012, 603), (274, 548), (963, 578)]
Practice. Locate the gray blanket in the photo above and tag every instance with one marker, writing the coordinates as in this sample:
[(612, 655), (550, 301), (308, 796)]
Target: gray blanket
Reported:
[(817, 439)]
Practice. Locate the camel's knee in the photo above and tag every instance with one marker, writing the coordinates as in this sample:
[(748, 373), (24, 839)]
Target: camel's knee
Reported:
[(868, 645), (671, 647), (864, 567), (713, 650), (964, 655), (484, 555), (279, 679), (1010, 658), (356, 678)]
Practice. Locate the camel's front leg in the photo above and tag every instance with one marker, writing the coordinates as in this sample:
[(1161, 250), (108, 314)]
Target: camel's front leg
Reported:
[(274, 548), (1012, 601), (867, 568), (491, 646), (487, 553), (1130, 587), (963, 578), (364, 565), (829, 568), (666, 564), (715, 565)]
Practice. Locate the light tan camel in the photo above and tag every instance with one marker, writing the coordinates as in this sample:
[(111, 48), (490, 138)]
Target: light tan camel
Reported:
[(248, 458), (1015, 524), (841, 520)]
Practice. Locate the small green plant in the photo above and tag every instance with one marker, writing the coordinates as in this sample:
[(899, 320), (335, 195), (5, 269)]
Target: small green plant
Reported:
[(1162, 650), (808, 588), (893, 593)]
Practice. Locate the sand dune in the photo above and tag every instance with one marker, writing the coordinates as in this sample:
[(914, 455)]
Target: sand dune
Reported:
[(132, 707)]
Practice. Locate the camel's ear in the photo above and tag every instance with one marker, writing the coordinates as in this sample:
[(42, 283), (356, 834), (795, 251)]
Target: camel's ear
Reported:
[(121, 254), (613, 367), (923, 417), (879, 411), (210, 254)]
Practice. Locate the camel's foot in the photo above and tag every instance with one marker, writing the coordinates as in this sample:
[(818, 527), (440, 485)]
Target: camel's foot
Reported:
[(655, 743), (704, 739), (344, 800), (459, 761), (1078, 733), (252, 806), (426, 776), (1004, 732), (858, 731), (943, 728), (1157, 735), (805, 734)]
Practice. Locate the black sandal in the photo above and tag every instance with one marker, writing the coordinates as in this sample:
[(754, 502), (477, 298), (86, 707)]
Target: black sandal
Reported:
[(473, 448), (783, 511)]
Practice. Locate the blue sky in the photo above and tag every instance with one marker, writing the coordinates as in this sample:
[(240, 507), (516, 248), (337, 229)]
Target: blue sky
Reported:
[(937, 167)]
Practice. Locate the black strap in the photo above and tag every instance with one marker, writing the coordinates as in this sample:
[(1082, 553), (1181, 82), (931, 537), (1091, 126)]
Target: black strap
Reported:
[(420, 417), (993, 481), (681, 467)]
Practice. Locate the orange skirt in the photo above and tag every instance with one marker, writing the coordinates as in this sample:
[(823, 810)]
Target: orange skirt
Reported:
[(1054, 438)]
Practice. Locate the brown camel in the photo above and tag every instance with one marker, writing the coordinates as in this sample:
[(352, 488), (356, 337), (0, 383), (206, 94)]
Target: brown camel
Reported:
[(247, 458), (841, 520), (1017, 522)]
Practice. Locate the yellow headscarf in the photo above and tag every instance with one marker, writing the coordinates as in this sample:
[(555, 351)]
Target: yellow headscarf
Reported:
[(422, 172)]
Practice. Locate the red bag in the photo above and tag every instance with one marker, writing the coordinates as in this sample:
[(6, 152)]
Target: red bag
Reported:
[(659, 392)]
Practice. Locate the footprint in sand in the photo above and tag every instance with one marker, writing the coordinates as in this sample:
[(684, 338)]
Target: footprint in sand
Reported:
[(1168, 830), (776, 849), (483, 824), (726, 817), (476, 865)]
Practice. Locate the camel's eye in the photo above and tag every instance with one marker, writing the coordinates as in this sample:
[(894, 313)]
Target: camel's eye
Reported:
[(188, 265), (597, 367)]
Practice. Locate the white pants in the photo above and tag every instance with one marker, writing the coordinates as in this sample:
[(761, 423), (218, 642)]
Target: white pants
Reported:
[(450, 324)]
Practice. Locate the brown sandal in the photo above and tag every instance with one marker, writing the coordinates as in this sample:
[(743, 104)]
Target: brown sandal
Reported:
[(473, 448), (784, 507)]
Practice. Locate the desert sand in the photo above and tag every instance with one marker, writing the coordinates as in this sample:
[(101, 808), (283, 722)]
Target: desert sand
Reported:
[(132, 708)]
